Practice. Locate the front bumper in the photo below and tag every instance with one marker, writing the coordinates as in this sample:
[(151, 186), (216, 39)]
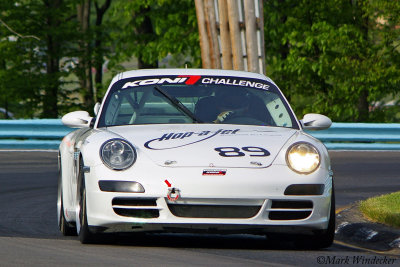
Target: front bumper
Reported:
[(241, 201)]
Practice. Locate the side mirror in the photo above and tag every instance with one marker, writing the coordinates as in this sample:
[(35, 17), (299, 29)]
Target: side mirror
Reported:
[(77, 119), (313, 121), (96, 108)]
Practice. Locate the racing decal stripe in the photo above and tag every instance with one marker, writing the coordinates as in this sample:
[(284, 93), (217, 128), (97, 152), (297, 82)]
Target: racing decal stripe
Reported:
[(192, 79)]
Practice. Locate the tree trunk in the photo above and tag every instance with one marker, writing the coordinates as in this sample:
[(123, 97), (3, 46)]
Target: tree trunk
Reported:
[(85, 64), (251, 36), (204, 43), (363, 106), (50, 101), (3, 91), (226, 47), (212, 34), (238, 62), (99, 60), (260, 23)]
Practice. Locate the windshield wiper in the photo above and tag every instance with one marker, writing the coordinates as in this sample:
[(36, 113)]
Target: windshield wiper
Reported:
[(178, 104)]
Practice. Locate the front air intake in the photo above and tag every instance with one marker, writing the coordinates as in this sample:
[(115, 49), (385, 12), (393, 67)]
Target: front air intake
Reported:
[(284, 210), (136, 207), (213, 211)]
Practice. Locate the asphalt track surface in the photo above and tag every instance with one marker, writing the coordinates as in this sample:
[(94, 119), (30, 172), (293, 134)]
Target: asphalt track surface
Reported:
[(29, 235)]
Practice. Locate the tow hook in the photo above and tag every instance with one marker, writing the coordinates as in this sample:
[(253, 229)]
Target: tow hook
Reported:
[(173, 194)]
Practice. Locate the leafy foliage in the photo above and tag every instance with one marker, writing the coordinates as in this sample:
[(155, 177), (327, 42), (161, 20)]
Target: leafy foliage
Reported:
[(45, 76), (154, 29), (31, 50), (337, 56)]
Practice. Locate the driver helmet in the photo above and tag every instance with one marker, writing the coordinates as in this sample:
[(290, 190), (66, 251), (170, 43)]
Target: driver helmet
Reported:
[(233, 100)]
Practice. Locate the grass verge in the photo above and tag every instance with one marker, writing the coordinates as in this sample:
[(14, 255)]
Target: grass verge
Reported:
[(383, 209)]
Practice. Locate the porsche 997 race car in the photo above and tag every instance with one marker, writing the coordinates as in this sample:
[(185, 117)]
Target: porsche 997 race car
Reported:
[(180, 150)]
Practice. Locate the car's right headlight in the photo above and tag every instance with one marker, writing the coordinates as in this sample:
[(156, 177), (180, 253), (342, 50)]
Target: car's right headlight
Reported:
[(303, 158), (118, 154)]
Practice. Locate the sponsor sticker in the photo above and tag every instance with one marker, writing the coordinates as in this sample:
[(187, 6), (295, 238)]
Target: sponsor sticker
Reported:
[(179, 139), (197, 79), (154, 81), (235, 82), (214, 172)]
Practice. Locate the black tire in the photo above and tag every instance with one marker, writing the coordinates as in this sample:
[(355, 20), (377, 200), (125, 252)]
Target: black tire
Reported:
[(85, 236), (66, 228)]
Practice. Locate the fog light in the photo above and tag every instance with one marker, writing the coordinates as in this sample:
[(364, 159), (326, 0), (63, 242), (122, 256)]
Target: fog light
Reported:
[(121, 186)]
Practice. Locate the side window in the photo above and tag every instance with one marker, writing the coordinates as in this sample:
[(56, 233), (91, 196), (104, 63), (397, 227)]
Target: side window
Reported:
[(278, 111), (112, 110)]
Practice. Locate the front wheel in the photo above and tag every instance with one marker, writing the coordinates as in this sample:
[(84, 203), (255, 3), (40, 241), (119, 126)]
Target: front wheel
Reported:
[(63, 225), (65, 228), (85, 236), (82, 227)]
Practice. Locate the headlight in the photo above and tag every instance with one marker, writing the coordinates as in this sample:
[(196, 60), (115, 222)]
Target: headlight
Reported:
[(303, 158), (117, 154)]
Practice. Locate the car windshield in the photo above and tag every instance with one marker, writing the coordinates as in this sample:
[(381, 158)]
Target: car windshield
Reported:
[(171, 100)]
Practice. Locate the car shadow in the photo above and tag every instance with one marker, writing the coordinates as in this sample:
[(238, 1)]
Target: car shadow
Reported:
[(196, 241)]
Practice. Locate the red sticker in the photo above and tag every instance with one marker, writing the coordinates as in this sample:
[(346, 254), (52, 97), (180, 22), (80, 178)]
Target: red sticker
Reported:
[(214, 172), (192, 79)]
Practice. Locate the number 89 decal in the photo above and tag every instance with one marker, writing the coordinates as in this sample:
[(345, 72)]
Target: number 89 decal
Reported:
[(253, 151)]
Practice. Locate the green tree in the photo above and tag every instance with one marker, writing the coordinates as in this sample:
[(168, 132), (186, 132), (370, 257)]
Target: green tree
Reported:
[(34, 38), (333, 56), (91, 47), (153, 29), (116, 30), (51, 54)]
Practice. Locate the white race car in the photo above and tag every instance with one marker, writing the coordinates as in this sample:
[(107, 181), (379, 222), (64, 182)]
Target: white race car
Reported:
[(186, 150)]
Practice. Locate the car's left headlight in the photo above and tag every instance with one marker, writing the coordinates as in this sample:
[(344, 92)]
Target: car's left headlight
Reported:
[(303, 158), (117, 154)]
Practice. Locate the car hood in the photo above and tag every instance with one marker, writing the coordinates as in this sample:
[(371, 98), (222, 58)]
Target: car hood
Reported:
[(207, 145)]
